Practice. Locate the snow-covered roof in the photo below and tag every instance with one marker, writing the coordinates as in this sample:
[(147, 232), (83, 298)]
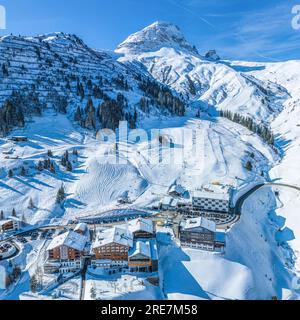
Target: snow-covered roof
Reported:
[(147, 248), (81, 227), (141, 224), (177, 189), (116, 235), (69, 239), (10, 219), (199, 222), (169, 201), (141, 247), (166, 201), (14, 219), (4, 222), (211, 195)]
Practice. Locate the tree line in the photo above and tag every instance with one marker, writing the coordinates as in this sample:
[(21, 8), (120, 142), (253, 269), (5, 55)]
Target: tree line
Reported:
[(260, 129)]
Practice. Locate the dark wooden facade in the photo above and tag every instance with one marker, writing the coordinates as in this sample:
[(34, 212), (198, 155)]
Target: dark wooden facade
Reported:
[(112, 251), (62, 253), (142, 234), (196, 235), (8, 226)]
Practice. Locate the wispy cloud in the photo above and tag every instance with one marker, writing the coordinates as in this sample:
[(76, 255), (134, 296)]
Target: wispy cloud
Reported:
[(263, 32), (267, 33)]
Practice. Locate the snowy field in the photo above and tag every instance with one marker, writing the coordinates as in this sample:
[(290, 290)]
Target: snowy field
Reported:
[(123, 287), (96, 182)]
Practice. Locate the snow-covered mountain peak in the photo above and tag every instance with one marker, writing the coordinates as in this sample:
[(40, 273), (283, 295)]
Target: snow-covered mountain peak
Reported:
[(207, 82), (154, 37)]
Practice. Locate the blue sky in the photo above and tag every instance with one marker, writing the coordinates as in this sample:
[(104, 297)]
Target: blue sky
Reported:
[(237, 29)]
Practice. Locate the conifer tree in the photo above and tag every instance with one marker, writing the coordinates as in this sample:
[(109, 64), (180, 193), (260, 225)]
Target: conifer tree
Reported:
[(23, 172), (34, 285), (249, 166), (40, 166), (90, 121), (69, 166), (31, 204), (61, 195), (78, 115), (10, 173), (52, 168), (93, 293), (14, 214)]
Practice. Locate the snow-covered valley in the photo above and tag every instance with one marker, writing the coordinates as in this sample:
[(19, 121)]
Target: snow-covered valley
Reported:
[(262, 249)]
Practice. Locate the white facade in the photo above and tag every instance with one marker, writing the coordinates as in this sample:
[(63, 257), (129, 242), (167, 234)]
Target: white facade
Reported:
[(201, 246), (107, 264), (63, 266), (71, 266)]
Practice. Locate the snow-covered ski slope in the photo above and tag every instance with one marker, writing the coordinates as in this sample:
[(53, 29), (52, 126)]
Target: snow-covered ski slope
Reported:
[(98, 180)]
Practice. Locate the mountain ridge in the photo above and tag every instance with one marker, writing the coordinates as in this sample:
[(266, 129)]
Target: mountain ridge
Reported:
[(59, 70), (208, 83)]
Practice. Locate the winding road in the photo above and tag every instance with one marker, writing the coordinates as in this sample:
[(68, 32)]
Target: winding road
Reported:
[(239, 203)]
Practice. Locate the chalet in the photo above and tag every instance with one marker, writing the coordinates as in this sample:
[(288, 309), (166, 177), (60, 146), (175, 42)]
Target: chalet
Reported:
[(10, 224), (131, 246), (200, 233), (141, 228), (112, 245), (65, 253), (143, 256), (211, 201)]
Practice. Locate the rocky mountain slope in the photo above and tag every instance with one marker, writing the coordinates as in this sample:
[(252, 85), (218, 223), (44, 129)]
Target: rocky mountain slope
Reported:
[(60, 71), (209, 83)]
